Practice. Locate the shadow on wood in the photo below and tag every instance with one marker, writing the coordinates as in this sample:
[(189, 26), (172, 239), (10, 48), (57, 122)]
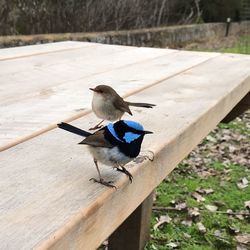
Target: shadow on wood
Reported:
[(240, 108)]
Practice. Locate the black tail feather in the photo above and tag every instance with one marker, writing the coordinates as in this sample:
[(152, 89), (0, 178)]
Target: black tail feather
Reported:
[(73, 129)]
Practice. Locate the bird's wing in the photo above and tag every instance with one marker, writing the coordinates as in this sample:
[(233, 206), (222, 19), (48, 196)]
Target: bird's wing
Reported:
[(120, 104), (97, 140)]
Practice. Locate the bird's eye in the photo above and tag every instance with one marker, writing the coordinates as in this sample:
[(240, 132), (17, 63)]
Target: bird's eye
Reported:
[(100, 91)]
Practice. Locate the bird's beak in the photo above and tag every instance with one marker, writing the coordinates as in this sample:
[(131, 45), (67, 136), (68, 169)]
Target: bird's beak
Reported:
[(92, 89), (148, 132)]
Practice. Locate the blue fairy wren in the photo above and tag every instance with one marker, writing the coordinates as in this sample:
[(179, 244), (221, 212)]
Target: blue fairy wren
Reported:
[(108, 105), (113, 145)]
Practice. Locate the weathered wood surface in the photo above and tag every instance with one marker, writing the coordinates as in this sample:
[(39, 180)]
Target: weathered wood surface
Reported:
[(46, 199), (38, 91)]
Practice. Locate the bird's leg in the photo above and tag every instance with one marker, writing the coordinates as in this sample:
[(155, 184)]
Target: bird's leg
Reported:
[(126, 172), (97, 125), (101, 180)]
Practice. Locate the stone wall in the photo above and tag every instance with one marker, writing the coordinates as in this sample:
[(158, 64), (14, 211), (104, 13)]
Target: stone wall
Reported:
[(171, 36)]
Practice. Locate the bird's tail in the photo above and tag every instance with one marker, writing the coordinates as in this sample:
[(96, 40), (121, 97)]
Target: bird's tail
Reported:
[(139, 104), (73, 129)]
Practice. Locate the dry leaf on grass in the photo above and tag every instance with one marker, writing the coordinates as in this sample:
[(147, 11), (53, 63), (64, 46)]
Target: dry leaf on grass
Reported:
[(219, 203), (243, 238), (197, 196), (173, 244), (211, 208), (163, 219), (201, 227), (187, 223), (247, 204), (193, 212), (241, 247), (181, 206), (204, 190), (243, 183), (233, 230), (217, 233)]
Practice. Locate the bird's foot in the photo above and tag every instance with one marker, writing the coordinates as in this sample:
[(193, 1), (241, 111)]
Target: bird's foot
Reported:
[(126, 172), (142, 158), (96, 127), (105, 183)]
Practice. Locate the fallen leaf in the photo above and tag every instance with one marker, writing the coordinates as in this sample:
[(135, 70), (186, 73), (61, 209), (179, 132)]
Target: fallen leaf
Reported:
[(219, 203), (239, 216), (197, 196), (187, 223), (163, 219), (172, 245), (217, 233), (204, 190), (194, 212), (243, 238), (243, 183), (208, 190), (240, 247), (211, 208), (233, 230), (181, 206), (247, 204), (210, 138), (187, 236), (201, 227)]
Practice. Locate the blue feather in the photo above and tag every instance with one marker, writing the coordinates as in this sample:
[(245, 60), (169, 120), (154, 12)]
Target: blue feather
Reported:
[(110, 127), (129, 137), (134, 125)]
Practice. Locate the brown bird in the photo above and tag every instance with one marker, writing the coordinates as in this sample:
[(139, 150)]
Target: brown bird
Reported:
[(108, 105)]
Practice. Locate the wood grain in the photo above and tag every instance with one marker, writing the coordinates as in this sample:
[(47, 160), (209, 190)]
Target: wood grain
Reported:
[(40, 103), (46, 199)]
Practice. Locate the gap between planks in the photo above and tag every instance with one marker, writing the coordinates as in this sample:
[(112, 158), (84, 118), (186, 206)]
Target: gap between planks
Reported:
[(85, 112)]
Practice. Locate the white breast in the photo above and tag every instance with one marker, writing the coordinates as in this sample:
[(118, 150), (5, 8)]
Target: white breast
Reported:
[(105, 109), (109, 156)]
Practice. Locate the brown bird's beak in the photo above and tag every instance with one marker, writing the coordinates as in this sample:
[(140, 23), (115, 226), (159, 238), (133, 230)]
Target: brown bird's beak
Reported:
[(92, 89), (148, 132)]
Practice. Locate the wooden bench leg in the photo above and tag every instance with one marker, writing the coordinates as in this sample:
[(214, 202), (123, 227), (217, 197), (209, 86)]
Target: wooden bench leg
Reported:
[(242, 106), (133, 233)]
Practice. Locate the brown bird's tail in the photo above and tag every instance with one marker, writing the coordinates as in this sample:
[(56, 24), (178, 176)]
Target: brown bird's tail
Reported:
[(139, 104)]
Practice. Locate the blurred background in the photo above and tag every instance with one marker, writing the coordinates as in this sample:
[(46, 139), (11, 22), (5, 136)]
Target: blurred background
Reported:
[(47, 16)]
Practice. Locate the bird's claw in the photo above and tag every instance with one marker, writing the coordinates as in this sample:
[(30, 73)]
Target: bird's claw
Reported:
[(96, 127), (125, 171), (105, 183)]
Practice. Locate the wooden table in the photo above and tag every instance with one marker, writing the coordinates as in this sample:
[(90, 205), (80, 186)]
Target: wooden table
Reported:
[(46, 199)]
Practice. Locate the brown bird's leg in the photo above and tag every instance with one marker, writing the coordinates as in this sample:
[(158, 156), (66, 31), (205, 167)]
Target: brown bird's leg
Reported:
[(101, 181), (97, 125), (126, 172)]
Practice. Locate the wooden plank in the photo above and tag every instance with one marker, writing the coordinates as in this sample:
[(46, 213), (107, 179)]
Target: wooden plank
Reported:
[(52, 104), (133, 233), (34, 74), (31, 50), (46, 199)]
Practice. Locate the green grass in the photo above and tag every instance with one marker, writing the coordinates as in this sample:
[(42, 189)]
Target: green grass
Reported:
[(242, 47), (186, 178), (228, 194)]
